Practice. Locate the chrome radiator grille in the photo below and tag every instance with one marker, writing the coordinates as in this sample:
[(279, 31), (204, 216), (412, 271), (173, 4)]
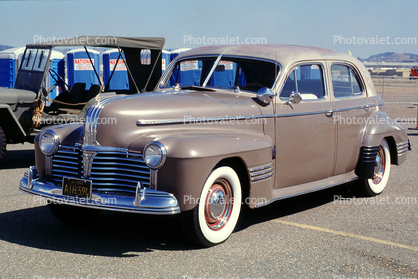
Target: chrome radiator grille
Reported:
[(66, 162), (110, 171)]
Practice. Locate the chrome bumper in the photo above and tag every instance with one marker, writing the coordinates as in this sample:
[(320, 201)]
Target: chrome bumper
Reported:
[(146, 201)]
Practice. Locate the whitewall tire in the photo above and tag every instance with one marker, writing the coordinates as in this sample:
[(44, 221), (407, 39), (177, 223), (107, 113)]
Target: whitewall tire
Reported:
[(377, 184), (214, 218)]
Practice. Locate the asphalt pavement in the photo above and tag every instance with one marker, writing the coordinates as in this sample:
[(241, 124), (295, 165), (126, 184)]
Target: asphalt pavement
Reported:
[(328, 234)]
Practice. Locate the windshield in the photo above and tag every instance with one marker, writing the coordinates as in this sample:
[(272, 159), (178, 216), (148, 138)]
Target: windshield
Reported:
[(230, 72), (35, 59)]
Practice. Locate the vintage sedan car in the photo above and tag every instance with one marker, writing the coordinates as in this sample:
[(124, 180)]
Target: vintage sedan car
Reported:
[(226, 127)]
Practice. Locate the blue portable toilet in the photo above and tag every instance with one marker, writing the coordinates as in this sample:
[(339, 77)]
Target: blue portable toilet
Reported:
[(9, 65), (119, 80), (165, 59), (189, 71), (80, 69), (58, 66), (226, 77), (175, 52)]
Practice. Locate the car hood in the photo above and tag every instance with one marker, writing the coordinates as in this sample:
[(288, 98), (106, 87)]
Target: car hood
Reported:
[(14, 96), (122, 120)]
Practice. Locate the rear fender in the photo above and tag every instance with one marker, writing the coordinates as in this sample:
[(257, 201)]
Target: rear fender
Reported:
[(381, 126)]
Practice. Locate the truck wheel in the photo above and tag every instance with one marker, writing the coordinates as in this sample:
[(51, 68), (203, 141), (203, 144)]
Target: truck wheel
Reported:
[(75, 215), (377, 184), (214, 218), (2, 144)]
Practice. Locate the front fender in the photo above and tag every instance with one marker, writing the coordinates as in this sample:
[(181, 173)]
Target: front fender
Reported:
[(191, 158), (199, 145)]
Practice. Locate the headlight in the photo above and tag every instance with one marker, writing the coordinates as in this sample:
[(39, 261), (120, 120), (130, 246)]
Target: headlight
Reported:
[(48, 142), (155, 154)]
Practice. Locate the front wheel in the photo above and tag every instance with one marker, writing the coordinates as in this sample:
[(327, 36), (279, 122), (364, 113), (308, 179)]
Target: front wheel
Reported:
[(377, 184), (214, 219)]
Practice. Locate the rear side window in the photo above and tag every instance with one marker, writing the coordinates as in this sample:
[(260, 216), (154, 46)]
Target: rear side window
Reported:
[(307, 80), (345, 81)]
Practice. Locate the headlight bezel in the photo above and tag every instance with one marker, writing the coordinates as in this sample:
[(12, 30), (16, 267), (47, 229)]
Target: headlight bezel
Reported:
[(55, 141), (162, 154)]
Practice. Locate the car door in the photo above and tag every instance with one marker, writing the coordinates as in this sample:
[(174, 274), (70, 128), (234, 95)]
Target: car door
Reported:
[(305, 132), (351, 114)]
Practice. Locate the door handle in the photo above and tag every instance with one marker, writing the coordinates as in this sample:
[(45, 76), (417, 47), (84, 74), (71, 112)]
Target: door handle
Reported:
[(329, 113)]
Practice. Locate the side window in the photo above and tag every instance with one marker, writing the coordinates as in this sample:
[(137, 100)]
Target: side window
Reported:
[(307, 80), (345, 82)]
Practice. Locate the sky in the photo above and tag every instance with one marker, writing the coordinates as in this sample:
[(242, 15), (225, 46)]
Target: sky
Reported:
[(362, 27)]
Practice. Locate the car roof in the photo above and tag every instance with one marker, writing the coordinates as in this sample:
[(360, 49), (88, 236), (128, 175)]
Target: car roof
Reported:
[(284, 54)]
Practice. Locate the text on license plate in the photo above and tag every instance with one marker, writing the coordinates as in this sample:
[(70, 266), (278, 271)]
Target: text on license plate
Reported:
[(76, 187)]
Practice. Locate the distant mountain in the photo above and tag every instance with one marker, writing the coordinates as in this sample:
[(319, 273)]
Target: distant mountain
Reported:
[(3, 47), (392, 57)]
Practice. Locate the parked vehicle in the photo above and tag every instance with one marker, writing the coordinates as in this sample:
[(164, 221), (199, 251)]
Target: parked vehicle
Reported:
[(414, 73), (27, 107), (226, 127)]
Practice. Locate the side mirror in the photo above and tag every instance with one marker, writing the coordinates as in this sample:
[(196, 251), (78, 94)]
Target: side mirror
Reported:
[(265, 95), (294, 98)]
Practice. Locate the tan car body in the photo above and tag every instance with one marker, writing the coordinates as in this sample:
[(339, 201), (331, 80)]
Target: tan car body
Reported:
[(278, 149)]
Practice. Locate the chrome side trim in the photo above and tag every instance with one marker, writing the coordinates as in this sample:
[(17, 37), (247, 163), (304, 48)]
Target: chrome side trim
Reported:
[(354, 108), (188, 120), (304, 113), (402, 147), (261, 173), (306, 192)]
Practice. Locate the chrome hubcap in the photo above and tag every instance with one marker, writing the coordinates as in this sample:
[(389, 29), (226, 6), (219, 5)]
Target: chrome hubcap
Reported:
[(218, 204), (379, 166)]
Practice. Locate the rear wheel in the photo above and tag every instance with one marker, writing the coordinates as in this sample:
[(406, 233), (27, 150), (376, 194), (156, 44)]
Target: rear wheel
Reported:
[(377, 184), (70, 214), (214, 218), (3, 144)]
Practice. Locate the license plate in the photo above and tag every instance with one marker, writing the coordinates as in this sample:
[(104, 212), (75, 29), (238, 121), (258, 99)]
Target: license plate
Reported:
[(74, 187)]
